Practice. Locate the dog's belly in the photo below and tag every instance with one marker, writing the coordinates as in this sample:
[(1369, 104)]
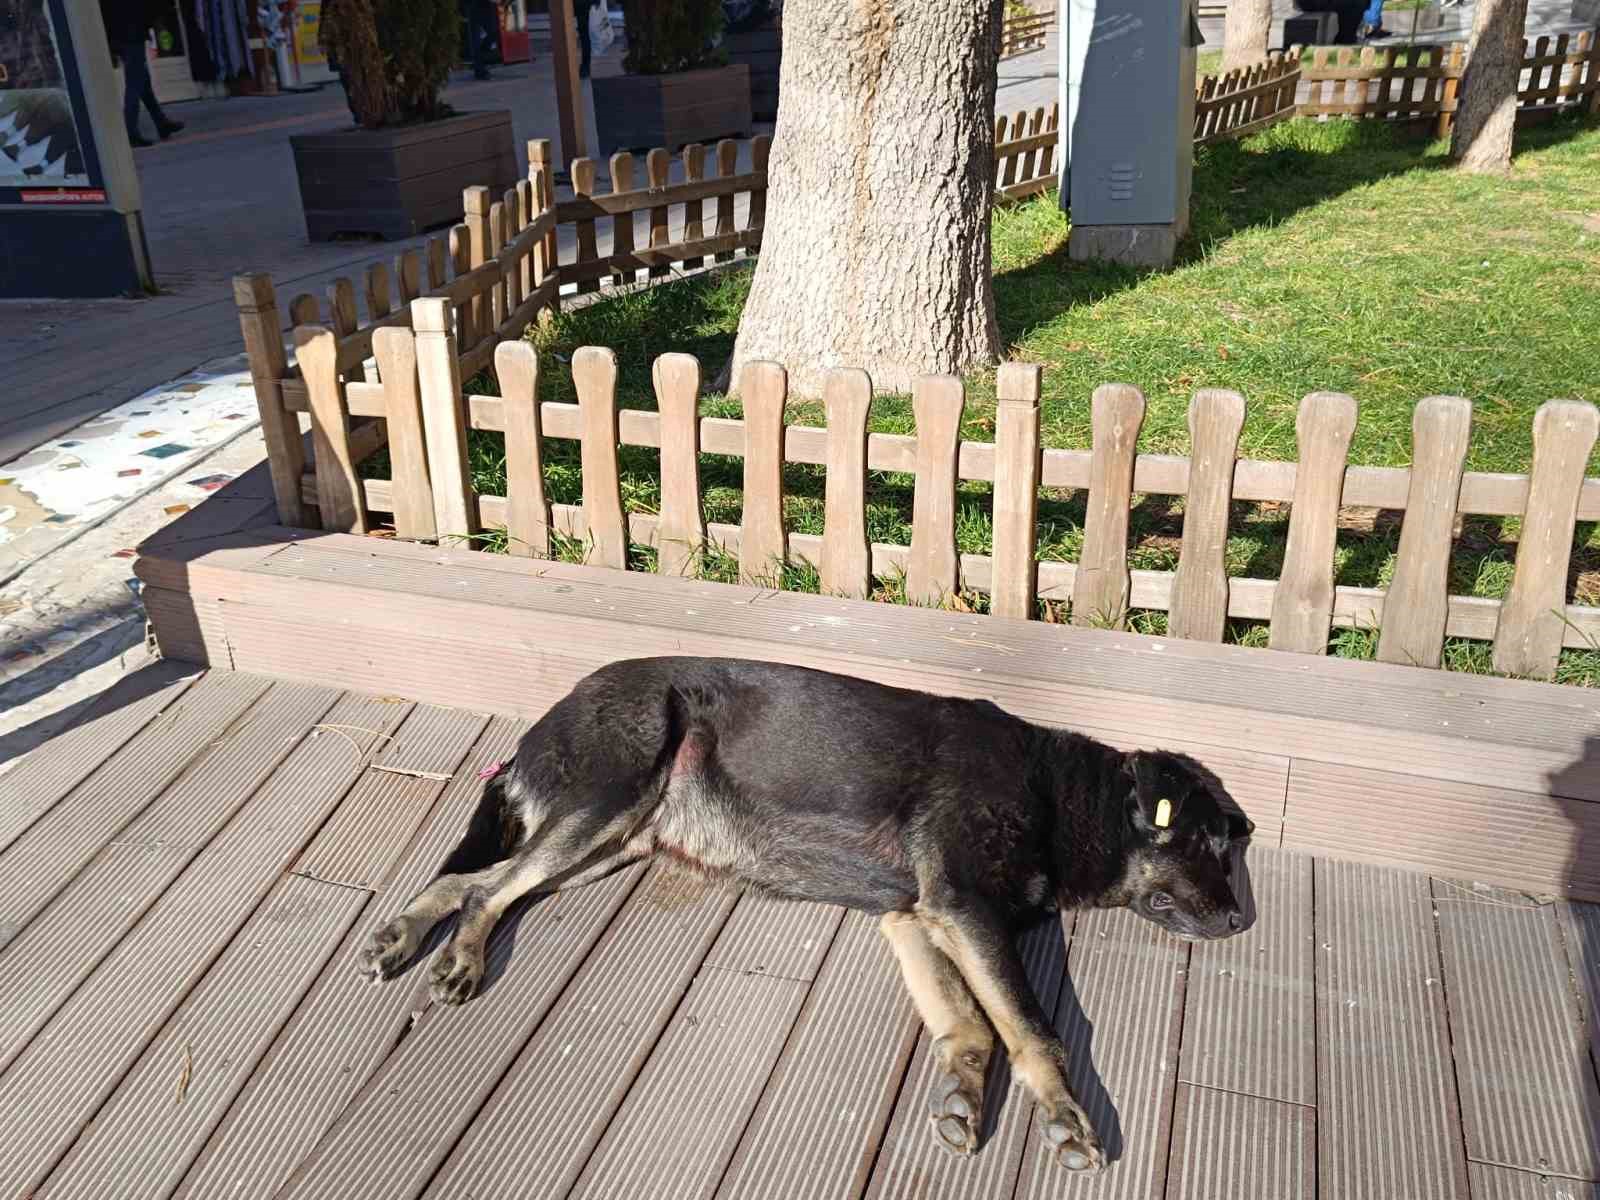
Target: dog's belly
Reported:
[(788, 853)]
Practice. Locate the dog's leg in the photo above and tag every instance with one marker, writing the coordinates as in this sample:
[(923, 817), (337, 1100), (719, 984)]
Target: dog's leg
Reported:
[(979, 944), (962, 1039), (575, 848)]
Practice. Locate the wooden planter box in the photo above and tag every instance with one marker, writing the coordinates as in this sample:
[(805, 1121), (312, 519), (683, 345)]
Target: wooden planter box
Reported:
[(637, 112), (762, 51), (394, 183)]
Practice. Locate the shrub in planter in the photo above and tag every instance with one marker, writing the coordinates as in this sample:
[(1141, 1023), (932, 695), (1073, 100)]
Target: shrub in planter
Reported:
[(678, 88), (404, 169)]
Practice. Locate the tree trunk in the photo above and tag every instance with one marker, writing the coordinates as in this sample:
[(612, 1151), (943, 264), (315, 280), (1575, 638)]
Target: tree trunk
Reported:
[(876, 250), (1487, 111), (1246, 32)]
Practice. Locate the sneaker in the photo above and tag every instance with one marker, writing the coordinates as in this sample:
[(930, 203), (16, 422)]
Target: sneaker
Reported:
[(138, 142), (1373, 33), (167, 128), (482, 76)]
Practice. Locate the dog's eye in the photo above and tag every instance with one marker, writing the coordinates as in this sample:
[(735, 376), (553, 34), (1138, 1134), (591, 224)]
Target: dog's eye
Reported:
[(1160, 901)]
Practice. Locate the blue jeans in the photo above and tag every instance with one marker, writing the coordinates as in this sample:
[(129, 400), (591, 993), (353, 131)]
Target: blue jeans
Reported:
[(1374, 14)]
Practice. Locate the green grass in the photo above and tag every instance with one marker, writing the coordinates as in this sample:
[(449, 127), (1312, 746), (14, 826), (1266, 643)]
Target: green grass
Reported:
[(1340, 256)]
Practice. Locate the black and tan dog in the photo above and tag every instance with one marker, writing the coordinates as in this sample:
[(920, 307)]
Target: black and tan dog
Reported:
[(953, 819)]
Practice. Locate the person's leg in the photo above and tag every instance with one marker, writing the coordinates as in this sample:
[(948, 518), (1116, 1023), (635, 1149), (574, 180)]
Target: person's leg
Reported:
[(135, 78), (582, 9), (480, 40)]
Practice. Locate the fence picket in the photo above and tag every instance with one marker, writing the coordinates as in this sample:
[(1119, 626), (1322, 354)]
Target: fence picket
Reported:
[(377, 292), (444, 430), (304, 310), (466, 325), (583, 176), (408, 276), (1100, 587), (1532, 623), (622, 223), (657, 171), (257, 302), (516, 366), (526, 207), (763, 390), (594, 374), (694, 170), (339, 493), (475, 207), (727, 167), (933, 565), (1018, 461), (681, 533), (1302, 605), (760, 151), (437, 251), (394, 348), (846, 557), (1200, 584), (1417, 602)]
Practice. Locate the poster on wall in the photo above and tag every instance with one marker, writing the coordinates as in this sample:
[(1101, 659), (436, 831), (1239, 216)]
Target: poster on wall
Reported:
[(307, 25), (41, 148)]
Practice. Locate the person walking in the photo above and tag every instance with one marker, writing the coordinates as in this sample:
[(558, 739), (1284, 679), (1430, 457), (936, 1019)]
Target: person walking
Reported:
[(1372, 22), (483, 20), (582, 11), (128, 24)]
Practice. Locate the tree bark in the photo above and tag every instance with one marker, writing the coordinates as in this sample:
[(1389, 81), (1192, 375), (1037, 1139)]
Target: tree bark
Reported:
[(876, 250), (1246, 33), (1486, 114)]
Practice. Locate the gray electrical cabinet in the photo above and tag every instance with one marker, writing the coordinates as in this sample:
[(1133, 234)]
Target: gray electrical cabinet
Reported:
[(1127, 82)]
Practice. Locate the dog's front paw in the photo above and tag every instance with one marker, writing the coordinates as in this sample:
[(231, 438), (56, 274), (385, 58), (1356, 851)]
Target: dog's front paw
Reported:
[(386, 951), (953, 1107), (1071, 1140), (455, 975)]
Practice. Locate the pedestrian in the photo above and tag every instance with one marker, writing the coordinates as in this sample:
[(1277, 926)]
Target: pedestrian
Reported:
[(128, 24), (1372, 22), (582, 11), (483, 22)]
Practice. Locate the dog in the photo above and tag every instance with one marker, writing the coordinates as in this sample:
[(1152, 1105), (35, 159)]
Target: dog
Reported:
[(954, 820)]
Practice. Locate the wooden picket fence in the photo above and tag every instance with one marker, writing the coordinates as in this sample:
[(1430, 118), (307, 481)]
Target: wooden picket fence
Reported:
[(1025, 153), (1246, 99), (1421, 83), (498, 270), (1023, 33), (430, 494)]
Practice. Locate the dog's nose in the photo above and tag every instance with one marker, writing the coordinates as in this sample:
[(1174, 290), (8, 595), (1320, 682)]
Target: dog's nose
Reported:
[(1235, 921)]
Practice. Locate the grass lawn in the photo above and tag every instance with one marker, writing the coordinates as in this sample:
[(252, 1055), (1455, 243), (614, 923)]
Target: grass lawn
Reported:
[(1339, 256)]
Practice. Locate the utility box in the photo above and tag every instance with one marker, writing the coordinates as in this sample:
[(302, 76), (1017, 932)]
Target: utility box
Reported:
[(1128, 91)]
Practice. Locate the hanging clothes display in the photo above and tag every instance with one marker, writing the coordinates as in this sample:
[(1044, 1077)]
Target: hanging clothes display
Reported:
[(226, 24), (201, 68)]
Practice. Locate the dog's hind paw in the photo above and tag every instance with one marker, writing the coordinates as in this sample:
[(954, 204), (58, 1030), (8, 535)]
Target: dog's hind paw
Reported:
[(1071, 1140), (954, 1110), (386, 951), (455, 975)]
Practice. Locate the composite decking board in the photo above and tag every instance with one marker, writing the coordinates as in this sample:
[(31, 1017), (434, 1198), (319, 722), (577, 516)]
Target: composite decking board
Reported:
[(682, 1118), (1580, 929), (31, 786), (1249, 1009), (62, 945), (1231, 1147), (438, 647), (770, 936), (550, 1109), (822, 1116), (54, 1083), (147, 1133), (360, 842), (428, 1092), (912, 1162), (1120, 1014), (40, 862), (1454, 705), (346, 1026), (1527, 1086), (1503, 1183), (1382, 1040), (1443, 826)]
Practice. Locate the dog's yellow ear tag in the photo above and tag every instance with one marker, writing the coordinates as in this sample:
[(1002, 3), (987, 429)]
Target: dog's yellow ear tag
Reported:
[(1163, 813)]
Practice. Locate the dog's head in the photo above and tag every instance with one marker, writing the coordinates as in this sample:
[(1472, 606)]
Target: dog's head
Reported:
[(1183, 827)]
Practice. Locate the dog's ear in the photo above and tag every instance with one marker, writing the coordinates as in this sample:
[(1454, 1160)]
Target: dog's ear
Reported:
[(1240, 827), (1155, 804)]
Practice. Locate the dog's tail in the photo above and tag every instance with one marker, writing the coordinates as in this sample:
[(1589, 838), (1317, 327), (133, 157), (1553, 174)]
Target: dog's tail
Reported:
[(492, 833)]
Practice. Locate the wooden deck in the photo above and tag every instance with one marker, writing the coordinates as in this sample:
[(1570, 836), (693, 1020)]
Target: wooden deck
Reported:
[(185, 878)]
